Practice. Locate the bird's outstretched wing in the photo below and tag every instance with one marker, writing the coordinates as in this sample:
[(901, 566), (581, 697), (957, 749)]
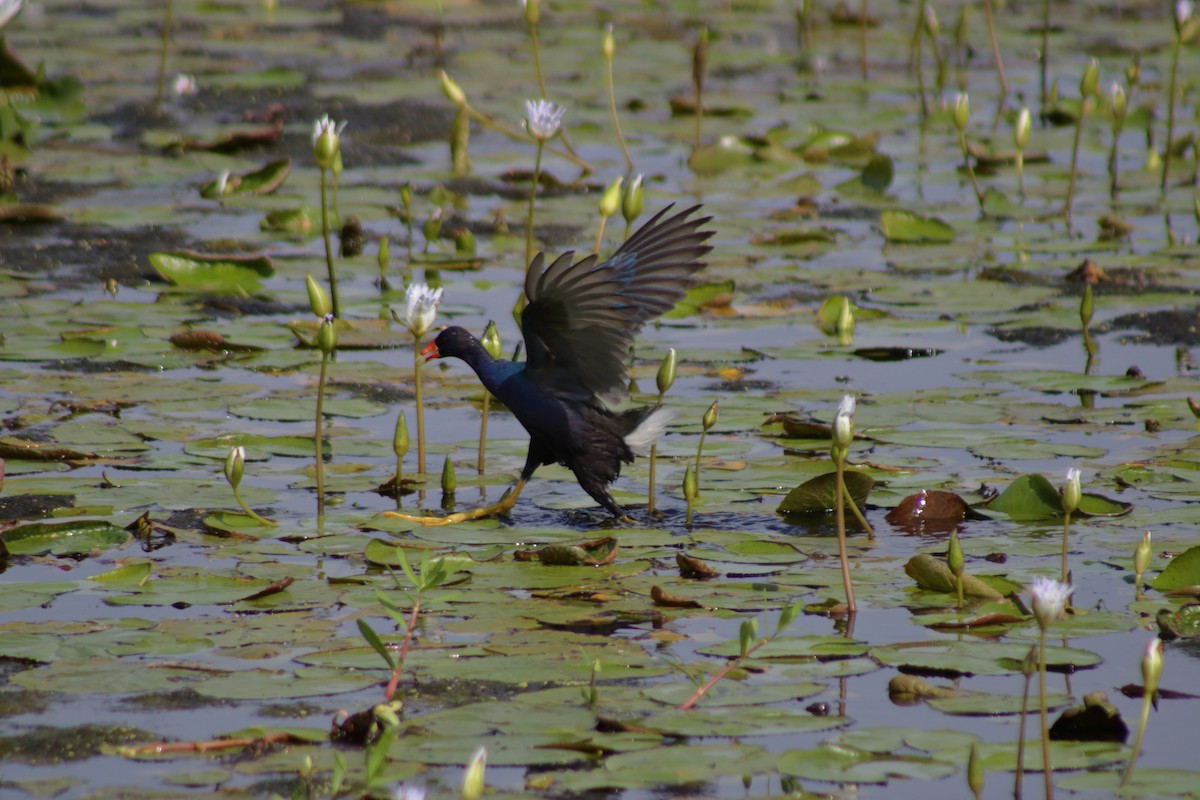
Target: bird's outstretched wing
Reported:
[(582, 317)]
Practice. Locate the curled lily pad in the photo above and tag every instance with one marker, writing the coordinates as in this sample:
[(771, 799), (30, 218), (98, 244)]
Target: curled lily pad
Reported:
[(590, 554), (819, 495), (929, 512), (1182, 572), (295, 221), (933, 574), (209, 273), (263, 180), (909, 228), (1181, 624), (1029, 497)]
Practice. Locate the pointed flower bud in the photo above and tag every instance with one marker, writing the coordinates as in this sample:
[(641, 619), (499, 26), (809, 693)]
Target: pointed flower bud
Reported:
[(746, 634), (420, 308), (634, 200), (1089, 84), (326, 138), (472, 787), (1029, 664), (327, 335), (235, 464), (1022, 129), (954, 555), (1133, 74), (975, 772), (607, 44), (1048, 599), (491, 340), (337, 167), (962, 111), (449, 479), (666, 371), (1141, 555), (843, 423), (406, 197), (932, 26), (1120, 103), (1152, 666), (452, 90), (845, 320), (400, 436), (543, 119), (318, 299), (1072, 491), (533, 11), (610, 201), (710, 417), (691, 489), (1087, 305), (385, 254)]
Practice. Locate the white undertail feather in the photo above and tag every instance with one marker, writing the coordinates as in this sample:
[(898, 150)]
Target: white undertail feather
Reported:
[(649, 431)]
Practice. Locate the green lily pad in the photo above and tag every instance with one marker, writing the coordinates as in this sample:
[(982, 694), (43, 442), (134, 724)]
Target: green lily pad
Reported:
[(908, 228), (976, 658), (842, 764), (79, 537), (1029, 497), (215, 274), (1183, 571), (819, 495), (264, 180)]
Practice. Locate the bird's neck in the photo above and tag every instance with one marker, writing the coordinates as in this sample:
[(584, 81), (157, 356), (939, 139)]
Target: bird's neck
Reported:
[(492, 372)]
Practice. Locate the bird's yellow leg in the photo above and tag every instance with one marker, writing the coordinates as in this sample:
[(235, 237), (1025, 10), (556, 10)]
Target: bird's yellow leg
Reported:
[(504, 505)]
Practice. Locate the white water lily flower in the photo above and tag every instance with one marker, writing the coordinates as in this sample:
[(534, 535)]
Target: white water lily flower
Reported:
[(183, 84), (409, 791), (1183, 11), (326, 125), (420, 308), (543, 119), (1049, 599), (9, 9), (843, 423)]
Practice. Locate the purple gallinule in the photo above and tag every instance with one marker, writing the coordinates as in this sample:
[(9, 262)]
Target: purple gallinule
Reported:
[(578, 324)]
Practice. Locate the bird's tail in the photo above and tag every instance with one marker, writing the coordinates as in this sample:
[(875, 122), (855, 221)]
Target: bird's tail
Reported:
[(649, 430)]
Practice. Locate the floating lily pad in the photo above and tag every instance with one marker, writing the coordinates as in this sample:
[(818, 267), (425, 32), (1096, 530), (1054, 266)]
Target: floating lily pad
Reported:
[(63, 538), (819, 495), (909, 228), (215, 274)]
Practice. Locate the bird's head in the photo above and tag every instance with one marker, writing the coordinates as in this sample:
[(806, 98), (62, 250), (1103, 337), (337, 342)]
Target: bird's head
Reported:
[(453, 341)]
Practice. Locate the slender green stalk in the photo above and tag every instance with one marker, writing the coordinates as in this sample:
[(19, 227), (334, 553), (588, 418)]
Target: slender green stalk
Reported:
[(333, 287), (599, 236), (533, 186), (487, 402), (1044, 59), (420, 401), (319, 435), (610, 85), (962, 143), (843, 555), (1046, 769), (162, 54), (1083, 109), (996, 59), (919, 58), (1019, 778), (864, 67), (1066, 530), (1171, 86)]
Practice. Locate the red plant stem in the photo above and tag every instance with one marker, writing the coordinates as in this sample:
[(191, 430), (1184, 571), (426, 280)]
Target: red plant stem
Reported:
[(390, 692), (711, 682)]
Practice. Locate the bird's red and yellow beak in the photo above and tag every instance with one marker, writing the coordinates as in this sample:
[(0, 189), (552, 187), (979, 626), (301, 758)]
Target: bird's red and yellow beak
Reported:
[(430, 351)]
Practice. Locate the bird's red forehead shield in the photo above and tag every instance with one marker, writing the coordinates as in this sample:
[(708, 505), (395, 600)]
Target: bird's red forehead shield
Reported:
[(430, 351)]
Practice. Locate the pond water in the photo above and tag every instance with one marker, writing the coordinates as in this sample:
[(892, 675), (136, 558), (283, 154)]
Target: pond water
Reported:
[(824, 179)]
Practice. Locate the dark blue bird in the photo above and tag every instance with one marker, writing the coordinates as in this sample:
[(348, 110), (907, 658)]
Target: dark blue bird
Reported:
[(579, 322)]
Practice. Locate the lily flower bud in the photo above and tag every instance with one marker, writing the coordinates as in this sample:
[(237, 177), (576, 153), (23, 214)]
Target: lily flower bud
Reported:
[(472, 787), (962, 111), (1120, 103), (1087, 306), (326, 138), (843, 423), (449, 479), (491, 340), (385, 254), (327, 335), (235, 464), (1141, 555), (318, 299), (610, 201), (634, 200), (690, 488), (1072, 491), (400, 436), (1152, 666), (607, 45), (666, 372), (533, 12), (710, 417), (1022, 129), (452, 90), (1090, 82), (954, 556)]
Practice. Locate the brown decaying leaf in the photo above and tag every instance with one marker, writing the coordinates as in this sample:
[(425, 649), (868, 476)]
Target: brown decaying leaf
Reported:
[(694, 568), (928, 512), (662, 598), (198, 340), (24, 450), (983, 621)]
